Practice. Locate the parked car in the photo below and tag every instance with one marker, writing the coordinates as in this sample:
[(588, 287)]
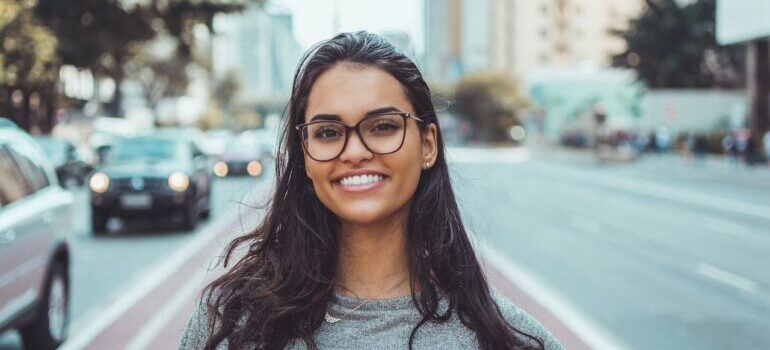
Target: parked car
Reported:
[(155, 176), (71, 169), (244, 155), (35, 221)]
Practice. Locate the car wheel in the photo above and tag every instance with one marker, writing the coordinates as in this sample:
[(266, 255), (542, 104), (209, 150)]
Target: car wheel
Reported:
[(98, 221), (49, 328)]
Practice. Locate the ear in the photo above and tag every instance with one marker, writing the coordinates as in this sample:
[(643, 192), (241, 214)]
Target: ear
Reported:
[(429, 145)]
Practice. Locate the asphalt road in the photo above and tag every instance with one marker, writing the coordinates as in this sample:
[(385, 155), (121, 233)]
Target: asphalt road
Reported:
[(104, 268), (662, 253)]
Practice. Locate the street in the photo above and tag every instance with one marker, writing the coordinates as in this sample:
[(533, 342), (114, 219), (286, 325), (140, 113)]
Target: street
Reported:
[(105, 269), (663, 253)]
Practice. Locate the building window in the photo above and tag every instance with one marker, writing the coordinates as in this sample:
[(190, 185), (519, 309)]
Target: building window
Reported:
[(543, 33), (544, 9), (544, 58)]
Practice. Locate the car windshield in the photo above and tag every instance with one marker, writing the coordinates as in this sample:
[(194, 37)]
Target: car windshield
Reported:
[(144, 149)]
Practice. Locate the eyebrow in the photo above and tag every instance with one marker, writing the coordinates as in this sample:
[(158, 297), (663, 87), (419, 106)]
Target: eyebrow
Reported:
[(370, 113)]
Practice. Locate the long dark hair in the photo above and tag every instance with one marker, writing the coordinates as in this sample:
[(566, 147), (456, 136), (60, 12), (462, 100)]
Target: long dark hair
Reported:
[(278, 291)]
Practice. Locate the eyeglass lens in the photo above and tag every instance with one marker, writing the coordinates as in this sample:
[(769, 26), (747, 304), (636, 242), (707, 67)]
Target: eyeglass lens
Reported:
[(381, 134)]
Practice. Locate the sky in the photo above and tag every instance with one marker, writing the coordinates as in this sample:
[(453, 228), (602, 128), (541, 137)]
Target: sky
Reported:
[(314, 19)]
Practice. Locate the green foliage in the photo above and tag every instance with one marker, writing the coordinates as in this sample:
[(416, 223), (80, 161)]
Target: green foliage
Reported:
[(107, 37), (29, 66), (100, 35), (673, 46), (226, 89), (28, 58), (489, 102)]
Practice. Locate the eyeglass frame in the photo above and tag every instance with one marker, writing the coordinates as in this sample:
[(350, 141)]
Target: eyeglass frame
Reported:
[(356, 127)]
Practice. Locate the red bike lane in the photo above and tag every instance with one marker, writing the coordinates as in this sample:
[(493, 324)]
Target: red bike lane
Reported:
[(156, 318)]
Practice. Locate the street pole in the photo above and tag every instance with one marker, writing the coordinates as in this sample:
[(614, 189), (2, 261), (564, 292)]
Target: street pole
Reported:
[(758, 86)]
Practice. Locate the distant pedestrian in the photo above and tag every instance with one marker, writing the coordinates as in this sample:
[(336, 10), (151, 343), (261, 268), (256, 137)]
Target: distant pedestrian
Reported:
[(362, 245), (699, 146)]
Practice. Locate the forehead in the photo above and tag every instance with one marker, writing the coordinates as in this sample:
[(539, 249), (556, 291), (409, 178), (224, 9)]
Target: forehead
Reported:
[(351, 90)]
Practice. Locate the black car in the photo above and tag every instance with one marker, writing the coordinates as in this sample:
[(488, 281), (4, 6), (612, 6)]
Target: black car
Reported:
[(156, 176), (71, 169), (243, 156), (35, 223)]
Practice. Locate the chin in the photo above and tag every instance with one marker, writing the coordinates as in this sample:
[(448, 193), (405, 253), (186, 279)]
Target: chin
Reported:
[(364, 213), (361, 217)]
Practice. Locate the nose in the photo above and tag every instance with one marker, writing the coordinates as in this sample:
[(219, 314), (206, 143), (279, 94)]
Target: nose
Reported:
[(355, 151)]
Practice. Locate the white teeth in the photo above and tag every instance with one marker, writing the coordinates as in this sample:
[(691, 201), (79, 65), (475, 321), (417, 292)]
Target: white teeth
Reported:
[(360, 180)]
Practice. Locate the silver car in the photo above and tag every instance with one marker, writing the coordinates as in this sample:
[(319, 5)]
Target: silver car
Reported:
[(35, 219)]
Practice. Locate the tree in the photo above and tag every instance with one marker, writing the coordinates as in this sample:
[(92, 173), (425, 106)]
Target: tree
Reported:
[(28, 66), (489, 102), (673, 46), (100, 35), (105, 36)]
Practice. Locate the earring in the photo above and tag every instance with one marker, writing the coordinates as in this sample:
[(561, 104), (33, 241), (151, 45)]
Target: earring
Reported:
[(426, 165)]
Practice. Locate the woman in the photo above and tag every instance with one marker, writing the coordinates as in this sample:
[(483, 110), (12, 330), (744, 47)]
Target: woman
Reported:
[(362, 245)]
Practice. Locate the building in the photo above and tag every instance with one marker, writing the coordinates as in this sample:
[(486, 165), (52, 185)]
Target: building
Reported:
[(259, 45), (519, 36)]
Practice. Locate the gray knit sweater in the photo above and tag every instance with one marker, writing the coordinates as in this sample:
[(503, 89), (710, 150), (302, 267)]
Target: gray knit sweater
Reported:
[(385, 324)]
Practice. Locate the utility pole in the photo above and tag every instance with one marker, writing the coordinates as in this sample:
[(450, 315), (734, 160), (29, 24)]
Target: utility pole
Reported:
[(758, 86)]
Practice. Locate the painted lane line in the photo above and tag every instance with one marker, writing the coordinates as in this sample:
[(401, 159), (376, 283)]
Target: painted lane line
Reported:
[(155, 276), (578, 322), (726, 227), (728, 278), (144, 337), (488, 155), (667, 192)]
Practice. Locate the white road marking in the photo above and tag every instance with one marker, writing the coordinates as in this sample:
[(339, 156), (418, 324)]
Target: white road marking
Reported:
[(726, 227), (487, 155), (728, 278), (667, 192), (159, 322), (594, 335), (155, 276)]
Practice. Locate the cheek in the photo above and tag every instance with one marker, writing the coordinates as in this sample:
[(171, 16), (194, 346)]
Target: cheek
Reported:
[(408, 162)]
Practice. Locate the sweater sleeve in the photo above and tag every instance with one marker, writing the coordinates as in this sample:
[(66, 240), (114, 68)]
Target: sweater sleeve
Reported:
[(522, 321)]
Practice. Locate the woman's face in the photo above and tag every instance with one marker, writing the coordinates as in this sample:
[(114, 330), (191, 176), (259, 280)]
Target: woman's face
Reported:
[(359, 186)]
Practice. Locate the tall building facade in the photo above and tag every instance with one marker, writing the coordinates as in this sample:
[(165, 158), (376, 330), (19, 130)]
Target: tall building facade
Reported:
[(259, 45), (518, 36)]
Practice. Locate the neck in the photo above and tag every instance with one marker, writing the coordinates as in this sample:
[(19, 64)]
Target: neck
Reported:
[(373, 261)]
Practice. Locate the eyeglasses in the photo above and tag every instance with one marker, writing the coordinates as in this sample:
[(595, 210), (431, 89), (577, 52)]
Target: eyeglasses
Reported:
[(325, 140)]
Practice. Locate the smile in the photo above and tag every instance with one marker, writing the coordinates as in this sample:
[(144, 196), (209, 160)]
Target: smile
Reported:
[(360, 183)]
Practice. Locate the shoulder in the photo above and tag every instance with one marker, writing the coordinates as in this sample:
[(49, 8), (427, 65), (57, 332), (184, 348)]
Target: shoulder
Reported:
[(197, 331), (522, 321)]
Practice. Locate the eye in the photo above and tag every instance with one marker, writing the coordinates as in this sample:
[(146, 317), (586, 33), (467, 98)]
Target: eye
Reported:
[(384, 127), (327, 132)]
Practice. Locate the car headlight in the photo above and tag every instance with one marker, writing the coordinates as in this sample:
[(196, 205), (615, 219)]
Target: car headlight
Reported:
[(178, 181), (254, 168), (99, 182), (220, 169)]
